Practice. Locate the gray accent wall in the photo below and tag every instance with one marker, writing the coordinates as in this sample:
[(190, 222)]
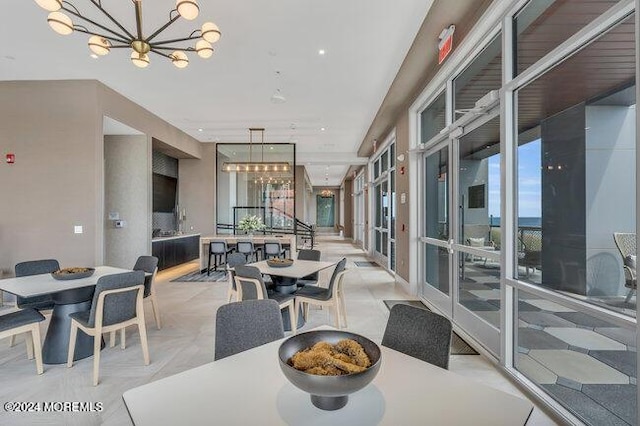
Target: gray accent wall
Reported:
[(126, 191)]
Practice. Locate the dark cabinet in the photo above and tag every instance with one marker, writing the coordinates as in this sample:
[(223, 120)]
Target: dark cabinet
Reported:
[(176, 251)]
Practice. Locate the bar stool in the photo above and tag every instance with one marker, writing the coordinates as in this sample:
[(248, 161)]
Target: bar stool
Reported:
[(273, 248), (217, 249), (249, 250)]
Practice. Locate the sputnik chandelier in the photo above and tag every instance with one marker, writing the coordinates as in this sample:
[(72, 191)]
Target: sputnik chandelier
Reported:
[(102, 38)]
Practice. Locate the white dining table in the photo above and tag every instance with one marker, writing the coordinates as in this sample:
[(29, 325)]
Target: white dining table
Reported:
[(250, 389), (69, 296)]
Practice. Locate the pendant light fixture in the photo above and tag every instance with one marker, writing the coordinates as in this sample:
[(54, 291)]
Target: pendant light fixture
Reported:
[(260, 167)]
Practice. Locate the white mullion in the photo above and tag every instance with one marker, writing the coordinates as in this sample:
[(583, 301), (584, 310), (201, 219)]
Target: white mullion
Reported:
[(637, 5), (454, 219)]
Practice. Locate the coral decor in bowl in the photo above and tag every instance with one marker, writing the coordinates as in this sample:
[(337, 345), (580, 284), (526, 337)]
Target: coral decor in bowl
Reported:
[(72, 273), (328, 392), (279, 263)]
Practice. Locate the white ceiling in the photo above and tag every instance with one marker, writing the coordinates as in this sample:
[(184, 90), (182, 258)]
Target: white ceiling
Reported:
[(365, 42)]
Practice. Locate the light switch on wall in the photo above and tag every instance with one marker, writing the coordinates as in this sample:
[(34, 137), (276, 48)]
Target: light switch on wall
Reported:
[(77, 229)]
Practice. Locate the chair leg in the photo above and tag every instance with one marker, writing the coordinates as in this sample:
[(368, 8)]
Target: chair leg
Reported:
[(293, 318), (12, 341), (209, 265), (336, 313), (344, 310), (112, 338), (29, 343), (72, 343), (123, 340), (37, 347), (97, 340), (156, 309), (142, 329)]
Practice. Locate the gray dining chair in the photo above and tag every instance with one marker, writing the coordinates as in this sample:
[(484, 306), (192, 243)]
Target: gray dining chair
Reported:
[(309, 254), (332, 296), (233, 260), (117, 303), (244, 325), (251, 286), (149, 264), (419, 333), (36, 267), (25, 321)]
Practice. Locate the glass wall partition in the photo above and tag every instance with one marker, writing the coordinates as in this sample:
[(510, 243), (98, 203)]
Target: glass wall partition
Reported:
[(254, 179), (384, 206)]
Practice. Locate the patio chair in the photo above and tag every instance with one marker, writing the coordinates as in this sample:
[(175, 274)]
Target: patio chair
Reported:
[(626, 243)]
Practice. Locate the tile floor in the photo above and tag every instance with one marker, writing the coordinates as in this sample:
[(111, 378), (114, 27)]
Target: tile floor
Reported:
[(186, 341)]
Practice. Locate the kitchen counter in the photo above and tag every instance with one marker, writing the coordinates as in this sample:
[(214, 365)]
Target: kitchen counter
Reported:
[(173, 237)]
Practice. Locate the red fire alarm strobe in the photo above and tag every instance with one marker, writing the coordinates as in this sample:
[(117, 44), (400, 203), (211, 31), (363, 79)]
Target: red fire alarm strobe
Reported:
[(445, 45), (11, 158)]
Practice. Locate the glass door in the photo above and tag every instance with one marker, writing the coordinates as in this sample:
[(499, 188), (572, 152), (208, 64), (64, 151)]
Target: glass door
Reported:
[(436, 243)]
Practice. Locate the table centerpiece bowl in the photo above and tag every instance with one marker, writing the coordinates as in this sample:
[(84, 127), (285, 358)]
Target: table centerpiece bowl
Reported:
[(328, 392), (279, 263), (72, 273)]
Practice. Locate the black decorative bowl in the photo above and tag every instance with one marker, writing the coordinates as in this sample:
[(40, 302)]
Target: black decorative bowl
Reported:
[(64, 274), (328, 392), (279, 263)]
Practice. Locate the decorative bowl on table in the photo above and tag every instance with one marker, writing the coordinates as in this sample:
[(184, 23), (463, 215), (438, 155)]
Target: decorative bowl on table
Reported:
[(337, 368), (279, 263), (72, 273)]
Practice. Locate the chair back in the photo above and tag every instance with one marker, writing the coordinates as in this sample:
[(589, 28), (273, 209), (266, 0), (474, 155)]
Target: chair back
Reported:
[(626, 243), (120, 299), (245, 247), (308, 254), (244, 325), (339, 268), (218, 247), (233, 260), (249, 283), (419, 333), (36, 267), (148, 264), (272, 248)]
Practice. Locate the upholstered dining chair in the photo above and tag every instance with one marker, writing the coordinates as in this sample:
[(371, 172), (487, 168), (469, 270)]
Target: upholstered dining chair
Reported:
[(25, 321), (419, 333), (241, 326), (626, 243), (117, 303), (42, 302), (332, 296), (249, 249), (149, 264), (309, 254), (218, 249), (250, 286), (233, 260), (273, 248)]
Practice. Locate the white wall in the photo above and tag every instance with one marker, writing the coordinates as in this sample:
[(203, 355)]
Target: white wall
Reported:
[(127, 183), (610, 193)]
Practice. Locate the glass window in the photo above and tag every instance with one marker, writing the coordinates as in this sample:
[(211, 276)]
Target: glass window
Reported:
[(433, 118), (384, 161), (576, 172), (542, 25), (483, 75), (376, 169)]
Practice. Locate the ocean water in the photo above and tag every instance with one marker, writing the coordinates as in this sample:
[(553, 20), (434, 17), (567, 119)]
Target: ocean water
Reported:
[(522, 221)]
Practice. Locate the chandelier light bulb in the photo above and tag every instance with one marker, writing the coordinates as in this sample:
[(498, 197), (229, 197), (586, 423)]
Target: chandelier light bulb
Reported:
[(210, 32), (204, 49), (140, 60), (179, 59), (50, 5), (99, 45), (60, 23), (188, 9)]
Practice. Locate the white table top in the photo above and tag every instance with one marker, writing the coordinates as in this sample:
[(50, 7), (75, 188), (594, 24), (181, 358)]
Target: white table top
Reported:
[(34, 285), (250, 389), (299, 269)]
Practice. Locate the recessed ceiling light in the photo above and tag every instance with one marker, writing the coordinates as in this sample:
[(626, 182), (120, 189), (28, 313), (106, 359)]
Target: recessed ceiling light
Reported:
[(322, 129), (270, 147), (199, 130), (321, 52), (94, 56)]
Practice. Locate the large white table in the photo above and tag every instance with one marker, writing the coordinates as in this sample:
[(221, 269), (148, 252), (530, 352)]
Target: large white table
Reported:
[(69, 296), (299, 269), (250, 389)]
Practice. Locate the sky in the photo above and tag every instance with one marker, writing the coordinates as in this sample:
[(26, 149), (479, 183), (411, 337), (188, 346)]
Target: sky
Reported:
[(529, 181)]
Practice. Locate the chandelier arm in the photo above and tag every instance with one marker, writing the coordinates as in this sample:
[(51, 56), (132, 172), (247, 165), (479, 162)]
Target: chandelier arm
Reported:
[(94, 23), (86, 31), (182, 49), (162, 28), (98, 4), (176, 40), (157, 52)]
